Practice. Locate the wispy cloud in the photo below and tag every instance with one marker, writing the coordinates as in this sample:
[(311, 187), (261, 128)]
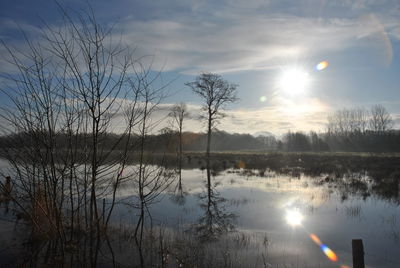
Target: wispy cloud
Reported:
[(247, 43), (283, 115), (252, 36)]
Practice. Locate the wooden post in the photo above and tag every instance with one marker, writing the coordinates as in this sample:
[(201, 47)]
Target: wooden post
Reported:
[(358, 253)]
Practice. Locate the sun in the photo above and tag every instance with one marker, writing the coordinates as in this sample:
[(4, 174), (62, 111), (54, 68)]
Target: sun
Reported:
[(293, 81)]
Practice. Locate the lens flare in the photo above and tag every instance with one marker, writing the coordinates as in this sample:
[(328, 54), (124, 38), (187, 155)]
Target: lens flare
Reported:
[(315, 239), (321, 66), (263, 98), (327, 251)]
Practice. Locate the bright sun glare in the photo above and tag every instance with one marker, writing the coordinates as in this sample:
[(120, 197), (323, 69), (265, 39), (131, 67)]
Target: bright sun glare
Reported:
[(293, 81), (294, 217)]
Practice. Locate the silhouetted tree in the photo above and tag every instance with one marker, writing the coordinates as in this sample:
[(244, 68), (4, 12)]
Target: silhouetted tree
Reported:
[(215, 92), (360, 130), (317, 143), (297, 142), (347, 121), (380, 120), (68, 89), (178, 114)]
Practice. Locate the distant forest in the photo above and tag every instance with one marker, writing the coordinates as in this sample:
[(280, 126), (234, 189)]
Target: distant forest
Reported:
[(167, 141), (368, 141), (348, 130)]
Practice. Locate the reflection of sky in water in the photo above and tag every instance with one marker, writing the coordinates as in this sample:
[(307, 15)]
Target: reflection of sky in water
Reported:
[(261, 204)]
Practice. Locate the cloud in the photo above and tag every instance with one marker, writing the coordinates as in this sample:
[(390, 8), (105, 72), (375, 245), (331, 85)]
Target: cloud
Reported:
[(246, 43), (279, 117), (233, 37), (365, 5), (282, 116), (396, 120), (8, 25)]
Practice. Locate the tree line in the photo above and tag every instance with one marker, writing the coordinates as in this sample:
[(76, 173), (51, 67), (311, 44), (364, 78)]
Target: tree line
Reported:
[(348, 130), (177, 141)]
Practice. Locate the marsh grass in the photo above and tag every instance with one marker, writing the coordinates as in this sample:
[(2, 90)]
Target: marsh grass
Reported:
[(162, 247), (353, 211)]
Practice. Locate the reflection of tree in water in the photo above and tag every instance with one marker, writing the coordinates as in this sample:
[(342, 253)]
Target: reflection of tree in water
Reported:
[(179, 195), (215, 220)]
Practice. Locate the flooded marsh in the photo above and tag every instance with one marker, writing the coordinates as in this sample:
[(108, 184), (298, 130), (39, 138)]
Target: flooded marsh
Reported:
[(290, 214)]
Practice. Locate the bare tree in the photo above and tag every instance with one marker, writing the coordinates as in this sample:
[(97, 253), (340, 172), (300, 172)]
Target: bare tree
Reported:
[(178, 114), (380, 120), (346, 121), (215, 92), (95, 70), (149, 181), (68, 89), (360, 119)]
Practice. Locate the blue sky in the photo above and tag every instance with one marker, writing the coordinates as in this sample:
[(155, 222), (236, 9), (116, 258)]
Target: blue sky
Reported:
[(253, 43)]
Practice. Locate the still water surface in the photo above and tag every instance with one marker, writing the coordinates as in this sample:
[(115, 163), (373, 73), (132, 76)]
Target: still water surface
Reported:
[(289, 219), (286, 210)]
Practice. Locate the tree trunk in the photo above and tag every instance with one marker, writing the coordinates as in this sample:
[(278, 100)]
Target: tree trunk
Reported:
[(208, 154), (180, 151), (208, 138)]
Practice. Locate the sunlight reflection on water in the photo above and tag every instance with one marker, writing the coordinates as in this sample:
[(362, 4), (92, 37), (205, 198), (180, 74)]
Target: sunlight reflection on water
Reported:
[(294, 217)]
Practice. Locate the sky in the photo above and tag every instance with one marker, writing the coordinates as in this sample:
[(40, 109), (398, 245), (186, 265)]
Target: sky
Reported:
[(269, 48)]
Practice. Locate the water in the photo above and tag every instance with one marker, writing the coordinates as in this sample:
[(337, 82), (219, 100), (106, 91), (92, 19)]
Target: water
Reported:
[(274, 216), (262, 203)]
